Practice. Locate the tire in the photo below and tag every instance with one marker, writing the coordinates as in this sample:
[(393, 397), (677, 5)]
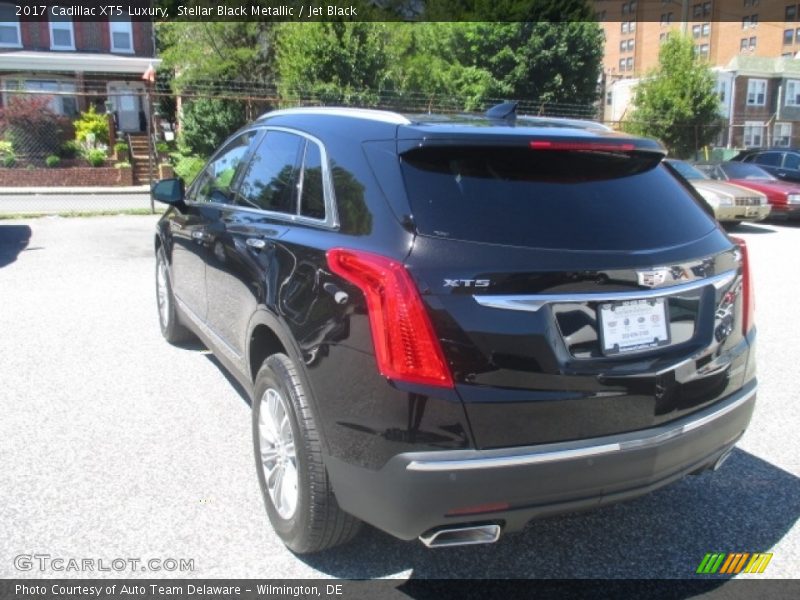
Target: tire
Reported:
[(293, 480), (171, 327)]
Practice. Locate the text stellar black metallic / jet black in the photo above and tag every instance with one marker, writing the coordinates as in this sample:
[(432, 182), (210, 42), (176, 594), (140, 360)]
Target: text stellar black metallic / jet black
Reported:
[(452, 325)]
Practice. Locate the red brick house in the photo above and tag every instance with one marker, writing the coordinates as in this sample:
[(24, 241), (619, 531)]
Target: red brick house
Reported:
[(97, 61)]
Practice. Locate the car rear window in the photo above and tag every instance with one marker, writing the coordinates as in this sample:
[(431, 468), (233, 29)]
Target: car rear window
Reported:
[(574, 200)]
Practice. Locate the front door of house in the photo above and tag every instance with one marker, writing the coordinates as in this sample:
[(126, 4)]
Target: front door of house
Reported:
[(126, 100)]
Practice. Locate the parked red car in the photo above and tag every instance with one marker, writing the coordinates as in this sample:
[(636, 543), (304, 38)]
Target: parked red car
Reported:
[(783, 196)]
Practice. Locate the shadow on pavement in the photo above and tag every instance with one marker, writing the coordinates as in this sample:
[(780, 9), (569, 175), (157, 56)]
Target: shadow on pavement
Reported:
[(13, 240), (747, 506)]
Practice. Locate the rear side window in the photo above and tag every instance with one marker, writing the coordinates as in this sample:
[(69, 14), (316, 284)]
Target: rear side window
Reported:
[(550, 199), (270, 180), (771, 159)]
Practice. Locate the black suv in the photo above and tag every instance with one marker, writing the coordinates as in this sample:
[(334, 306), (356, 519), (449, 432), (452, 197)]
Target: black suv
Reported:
[(451, 325), (783, 163)]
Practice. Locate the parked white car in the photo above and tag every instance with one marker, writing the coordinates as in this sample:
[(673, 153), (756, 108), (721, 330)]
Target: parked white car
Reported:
[(731, 203)]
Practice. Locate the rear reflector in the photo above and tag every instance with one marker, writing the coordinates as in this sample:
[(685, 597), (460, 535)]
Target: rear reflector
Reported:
[(480, 508), (406, 347), (748, 293), (586, 146)]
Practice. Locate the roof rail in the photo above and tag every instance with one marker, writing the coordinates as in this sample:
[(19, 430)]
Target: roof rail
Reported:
[(384, 116)]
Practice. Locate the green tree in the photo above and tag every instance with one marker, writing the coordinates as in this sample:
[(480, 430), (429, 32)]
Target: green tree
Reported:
[(475, 61), (206, 123), (336, 63), (677, 103)]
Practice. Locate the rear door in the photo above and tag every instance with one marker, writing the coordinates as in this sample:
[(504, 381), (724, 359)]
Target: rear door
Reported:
[(576, 293)]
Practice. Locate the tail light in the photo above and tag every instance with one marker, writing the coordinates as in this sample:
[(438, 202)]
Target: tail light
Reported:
[(582, 145), (406, 347), (748, 294)]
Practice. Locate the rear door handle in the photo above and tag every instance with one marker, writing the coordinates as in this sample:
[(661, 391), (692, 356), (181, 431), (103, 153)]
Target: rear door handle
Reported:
[(256, 243)]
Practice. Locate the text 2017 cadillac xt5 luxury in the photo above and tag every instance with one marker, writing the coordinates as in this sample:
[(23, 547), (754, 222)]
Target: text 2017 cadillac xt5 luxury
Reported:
[(451, 325)]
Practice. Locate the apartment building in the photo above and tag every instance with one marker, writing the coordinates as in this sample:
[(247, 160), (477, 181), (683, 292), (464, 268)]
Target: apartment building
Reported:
[(750, 45)]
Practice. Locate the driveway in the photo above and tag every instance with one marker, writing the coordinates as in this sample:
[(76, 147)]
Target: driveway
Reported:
[(116, 444)]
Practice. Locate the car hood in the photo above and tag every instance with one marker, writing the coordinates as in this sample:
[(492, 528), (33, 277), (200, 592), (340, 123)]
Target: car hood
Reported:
[(722, 188), (768, 186)]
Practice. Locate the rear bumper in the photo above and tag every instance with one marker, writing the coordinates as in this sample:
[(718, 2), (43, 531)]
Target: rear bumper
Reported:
[(414, 492)]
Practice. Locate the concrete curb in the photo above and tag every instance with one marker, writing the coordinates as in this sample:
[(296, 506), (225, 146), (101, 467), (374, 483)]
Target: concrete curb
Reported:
[(62, 191)]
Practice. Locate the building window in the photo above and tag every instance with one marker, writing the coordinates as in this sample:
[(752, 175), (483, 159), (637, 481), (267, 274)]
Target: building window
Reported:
[(621, 64), (609, 98), (744, 44), (697, 10), (706, 9), (791, 13), (797, 36), (788, 37), (706, 29), (782, 134), (695, 31), (9, 28), (121, 33), (632, 26), (721, 90), (666, 18), (792, 92), (60, 104), (702, 50), (753, 43), (629, 64), (753, 133), (663, 37), (756, 92), (61, 34), (631, 44)]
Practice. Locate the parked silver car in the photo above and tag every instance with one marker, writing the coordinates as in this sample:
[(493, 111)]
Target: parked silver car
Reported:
[(731, 203)]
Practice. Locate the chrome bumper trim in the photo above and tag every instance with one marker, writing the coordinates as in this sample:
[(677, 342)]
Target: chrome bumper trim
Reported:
[(534, 302), (588, 448)]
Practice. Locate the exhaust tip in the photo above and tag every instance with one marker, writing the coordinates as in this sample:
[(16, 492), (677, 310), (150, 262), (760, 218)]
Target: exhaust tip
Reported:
[(462, 536), (725, 455)]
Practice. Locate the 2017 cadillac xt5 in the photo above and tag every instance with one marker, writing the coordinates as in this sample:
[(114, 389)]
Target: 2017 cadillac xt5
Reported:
[(451, 325)]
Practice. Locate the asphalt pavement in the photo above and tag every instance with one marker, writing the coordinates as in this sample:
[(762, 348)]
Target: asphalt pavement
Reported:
[(115, 444)]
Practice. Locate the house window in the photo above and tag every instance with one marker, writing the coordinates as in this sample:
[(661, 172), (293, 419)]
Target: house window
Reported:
[(663, 37), (721, 90), (666, 18), (9, 28), (788, 36), (696, 31), (791, 12), (744, 44), (702, 50), (753, 133), (756, 92), (706, 29), (753, 43), (60, 103), (621, 64), (793, 92), (629, 64), (632, 26), (121, 35), (631, 44), (697, 10), (706, 9), (797, 36), (61, 34), (782, 134), (623, 45)]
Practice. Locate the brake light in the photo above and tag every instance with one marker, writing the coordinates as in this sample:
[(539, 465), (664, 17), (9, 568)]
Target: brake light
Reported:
[(748, 294), (406, 347), (590, 146)]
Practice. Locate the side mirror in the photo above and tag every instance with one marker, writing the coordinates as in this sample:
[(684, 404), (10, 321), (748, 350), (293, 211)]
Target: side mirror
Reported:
[(169, 191)]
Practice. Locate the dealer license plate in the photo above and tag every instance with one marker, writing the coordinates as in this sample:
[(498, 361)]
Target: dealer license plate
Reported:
[(633, 325)]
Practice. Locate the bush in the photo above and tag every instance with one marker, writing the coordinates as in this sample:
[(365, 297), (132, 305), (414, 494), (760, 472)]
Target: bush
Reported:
[(92, 122), (96, 157), (69, 149), (32, 127), (187, 167), (206, 123), (162, 147), (8, 157), (52, 161), (122, 165), (121, 147)]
